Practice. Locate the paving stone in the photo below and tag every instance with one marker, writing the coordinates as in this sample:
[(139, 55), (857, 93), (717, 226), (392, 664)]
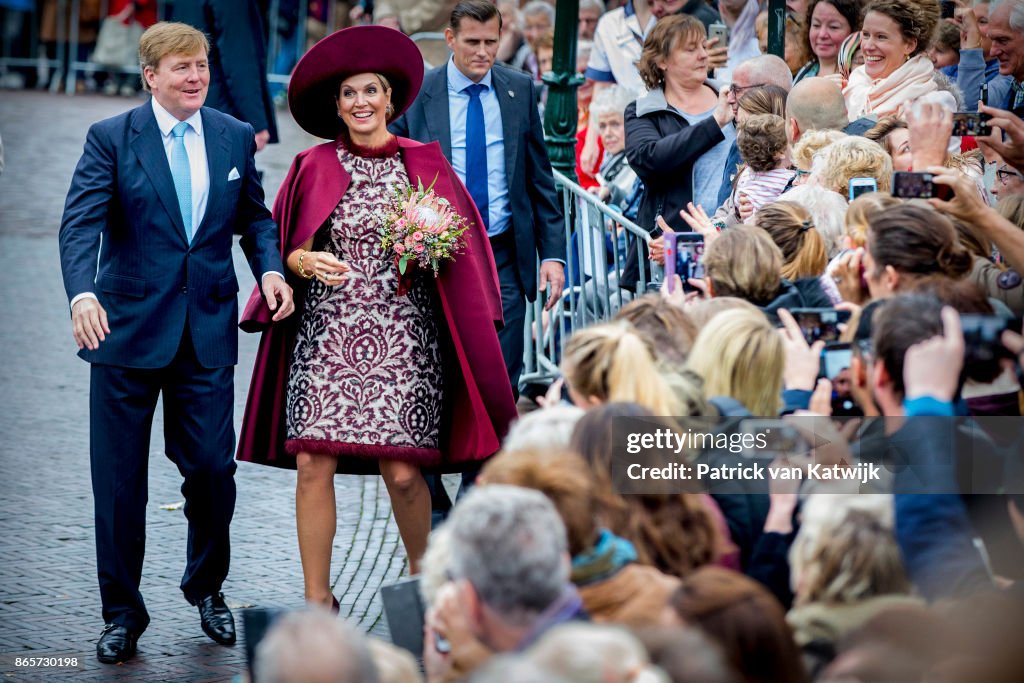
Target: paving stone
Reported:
[(49, 600)]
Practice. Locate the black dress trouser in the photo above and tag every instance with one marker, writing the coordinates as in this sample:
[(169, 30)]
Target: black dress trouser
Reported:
[(199, 438)]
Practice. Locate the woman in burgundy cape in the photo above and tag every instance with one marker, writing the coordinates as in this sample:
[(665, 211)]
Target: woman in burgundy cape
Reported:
[(364, 379)]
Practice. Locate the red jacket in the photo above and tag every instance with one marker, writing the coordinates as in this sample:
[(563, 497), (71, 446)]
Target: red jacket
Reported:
[(479, 402)]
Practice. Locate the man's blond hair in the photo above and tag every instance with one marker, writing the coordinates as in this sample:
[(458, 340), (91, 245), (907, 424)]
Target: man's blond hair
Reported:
[(168, 38)]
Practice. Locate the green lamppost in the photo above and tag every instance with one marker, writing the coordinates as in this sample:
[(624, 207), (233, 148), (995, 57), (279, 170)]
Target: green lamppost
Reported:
[(777, 28), (560, 110)]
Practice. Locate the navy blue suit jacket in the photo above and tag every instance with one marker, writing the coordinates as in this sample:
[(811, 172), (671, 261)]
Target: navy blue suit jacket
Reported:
[(536, 212), (149, 279)]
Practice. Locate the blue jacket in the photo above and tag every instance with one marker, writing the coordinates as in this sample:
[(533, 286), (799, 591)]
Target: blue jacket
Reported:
[(148, 277)]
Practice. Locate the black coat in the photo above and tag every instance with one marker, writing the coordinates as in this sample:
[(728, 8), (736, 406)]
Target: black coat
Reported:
[(662, 148), (238, 59)]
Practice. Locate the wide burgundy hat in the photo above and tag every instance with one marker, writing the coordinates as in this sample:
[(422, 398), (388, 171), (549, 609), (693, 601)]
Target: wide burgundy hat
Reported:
[(356, 50)]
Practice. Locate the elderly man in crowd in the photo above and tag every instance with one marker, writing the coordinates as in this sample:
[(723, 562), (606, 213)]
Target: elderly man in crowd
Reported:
[(313, 646), (510, 583), (818, 104)]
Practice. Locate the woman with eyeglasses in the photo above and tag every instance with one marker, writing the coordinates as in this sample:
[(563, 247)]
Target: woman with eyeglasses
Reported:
[(828, 23), (897, 72)]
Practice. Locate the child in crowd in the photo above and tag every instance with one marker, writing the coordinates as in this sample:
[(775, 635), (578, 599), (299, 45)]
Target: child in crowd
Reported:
[(762, 143)]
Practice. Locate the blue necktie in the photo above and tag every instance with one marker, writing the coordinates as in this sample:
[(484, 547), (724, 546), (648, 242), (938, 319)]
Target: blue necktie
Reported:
[(182, 175), (476, 151)]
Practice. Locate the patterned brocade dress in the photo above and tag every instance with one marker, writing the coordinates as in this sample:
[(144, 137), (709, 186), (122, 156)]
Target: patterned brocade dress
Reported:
[(366, 377)]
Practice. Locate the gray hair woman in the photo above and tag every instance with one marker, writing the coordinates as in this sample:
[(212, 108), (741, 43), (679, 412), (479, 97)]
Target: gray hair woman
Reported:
[(617, 180)]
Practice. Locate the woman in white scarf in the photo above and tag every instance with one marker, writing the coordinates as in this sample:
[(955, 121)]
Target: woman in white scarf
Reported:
[(896, 70)]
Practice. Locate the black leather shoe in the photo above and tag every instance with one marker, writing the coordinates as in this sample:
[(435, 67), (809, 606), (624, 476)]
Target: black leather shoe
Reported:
[(116, 644), (218, 623)]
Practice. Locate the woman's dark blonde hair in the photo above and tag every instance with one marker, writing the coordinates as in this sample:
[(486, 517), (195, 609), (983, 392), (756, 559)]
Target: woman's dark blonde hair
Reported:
[(764, 99), (667, 35), (854, 560), (1012, 209), (744, 262), (917, 19), (916, 240), (673, 532), (561, 475), (858, 216), (667, 326), (792, 229), (881, 131), (168, 38), (612, 362)]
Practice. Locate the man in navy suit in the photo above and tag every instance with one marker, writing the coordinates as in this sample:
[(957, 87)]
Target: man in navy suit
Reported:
[(515, 191), (145, 245), (238, 61), (485, 117)]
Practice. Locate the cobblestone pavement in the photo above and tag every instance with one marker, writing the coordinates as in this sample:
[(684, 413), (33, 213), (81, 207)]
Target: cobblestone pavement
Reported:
[(49, 601)]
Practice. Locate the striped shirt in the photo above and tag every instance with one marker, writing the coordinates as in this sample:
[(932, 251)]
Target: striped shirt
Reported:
[(764, 187)]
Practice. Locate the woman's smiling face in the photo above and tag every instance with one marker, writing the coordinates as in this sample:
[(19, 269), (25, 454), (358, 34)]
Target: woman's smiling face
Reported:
[(883, 45), (827, 32)]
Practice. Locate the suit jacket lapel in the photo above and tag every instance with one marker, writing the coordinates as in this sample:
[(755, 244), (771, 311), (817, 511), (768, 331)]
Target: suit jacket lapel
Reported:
[(435, 110), (149, 148), (510, 117), (218, 159)]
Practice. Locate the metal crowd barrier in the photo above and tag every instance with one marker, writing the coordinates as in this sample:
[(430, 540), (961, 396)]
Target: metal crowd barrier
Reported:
[(33, 59), (592, 293)]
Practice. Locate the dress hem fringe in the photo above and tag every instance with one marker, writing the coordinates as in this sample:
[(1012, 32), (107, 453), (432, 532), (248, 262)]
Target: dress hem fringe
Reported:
[(418, 456)]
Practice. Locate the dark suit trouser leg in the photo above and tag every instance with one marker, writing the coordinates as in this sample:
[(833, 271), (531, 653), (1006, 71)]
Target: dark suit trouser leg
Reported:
[(513, 309), (200, 440), (513, 306), (121, 406)]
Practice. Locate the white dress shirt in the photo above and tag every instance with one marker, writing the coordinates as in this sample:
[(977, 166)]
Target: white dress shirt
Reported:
[(195, 147)]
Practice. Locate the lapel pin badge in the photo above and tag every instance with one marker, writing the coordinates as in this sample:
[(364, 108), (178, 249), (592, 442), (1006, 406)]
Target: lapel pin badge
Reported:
[(511, 93)]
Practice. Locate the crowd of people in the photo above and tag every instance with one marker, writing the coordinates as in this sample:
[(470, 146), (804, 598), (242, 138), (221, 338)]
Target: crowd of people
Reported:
[(785, 169), (877, 171)]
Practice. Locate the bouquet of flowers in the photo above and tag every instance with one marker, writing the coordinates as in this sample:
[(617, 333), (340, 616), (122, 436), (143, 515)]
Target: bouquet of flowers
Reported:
[(421, 227)]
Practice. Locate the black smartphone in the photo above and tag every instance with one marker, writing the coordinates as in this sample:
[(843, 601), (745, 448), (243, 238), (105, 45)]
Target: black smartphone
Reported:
[(835, 358), (948, 8), (684, 256), (836, 362), (971, 123), (820, 323), (911, 185), (405, 614)]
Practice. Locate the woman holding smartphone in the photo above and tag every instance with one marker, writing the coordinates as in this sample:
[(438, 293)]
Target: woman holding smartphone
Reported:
[(678, 135)]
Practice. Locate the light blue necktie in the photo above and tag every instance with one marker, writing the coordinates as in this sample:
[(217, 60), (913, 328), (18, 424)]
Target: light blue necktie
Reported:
[(182, 176)]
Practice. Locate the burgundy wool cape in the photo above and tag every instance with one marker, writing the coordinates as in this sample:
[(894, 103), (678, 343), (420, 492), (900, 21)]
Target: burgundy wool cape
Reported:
[(479, 405)]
